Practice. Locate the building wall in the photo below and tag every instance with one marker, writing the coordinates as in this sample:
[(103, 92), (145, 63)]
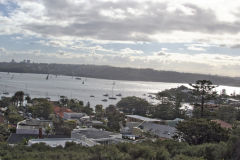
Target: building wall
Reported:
[(29, 131)]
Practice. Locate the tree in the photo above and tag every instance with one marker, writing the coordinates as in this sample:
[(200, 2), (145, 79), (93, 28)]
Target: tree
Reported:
[(99, 112), (5, 101), (227, 113), (12, 115), (63, 101), (19, 95), (28, 99), (162, 95), (178, 113), (4, 132), (198, 131), (75, 105), (87, 109), (114, 118), (68, 126), (164, 111), (204, 89), (41, 108), (133, 105)]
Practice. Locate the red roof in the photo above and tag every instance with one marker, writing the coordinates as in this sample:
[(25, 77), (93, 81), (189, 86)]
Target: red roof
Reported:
[(223, 124), (60, 110)]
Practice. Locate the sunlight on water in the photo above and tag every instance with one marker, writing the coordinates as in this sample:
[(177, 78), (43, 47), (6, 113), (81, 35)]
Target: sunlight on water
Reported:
[(37, 86)]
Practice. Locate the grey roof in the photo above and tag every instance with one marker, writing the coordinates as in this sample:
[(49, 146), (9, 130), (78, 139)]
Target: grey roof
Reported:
[(52, 139), (18, 138), (162, 131), (34, 122), (95, 133), (146, 119)]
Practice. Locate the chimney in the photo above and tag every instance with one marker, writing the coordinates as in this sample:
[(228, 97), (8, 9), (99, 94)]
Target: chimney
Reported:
[(40, 133)]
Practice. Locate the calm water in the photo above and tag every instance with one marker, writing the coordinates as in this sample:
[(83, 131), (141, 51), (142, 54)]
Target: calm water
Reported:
[(37, 86)]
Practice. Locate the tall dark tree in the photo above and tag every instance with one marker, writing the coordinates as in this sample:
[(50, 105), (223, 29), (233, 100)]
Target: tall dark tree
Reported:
[(204, 89), (134, 105), (114, 118), (99, 112), (19, 95)]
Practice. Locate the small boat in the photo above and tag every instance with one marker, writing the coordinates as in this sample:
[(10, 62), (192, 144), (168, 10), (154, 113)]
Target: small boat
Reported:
[(47, 77), (113, 98), (78, 78), (106, 95), (92, 96), (5, 93), (119, 95), (104, 100)]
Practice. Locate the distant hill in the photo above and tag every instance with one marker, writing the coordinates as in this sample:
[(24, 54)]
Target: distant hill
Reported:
[(114, 73)]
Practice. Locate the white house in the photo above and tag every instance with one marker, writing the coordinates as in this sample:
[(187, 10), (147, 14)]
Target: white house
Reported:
[(54, 142), (69, 116)]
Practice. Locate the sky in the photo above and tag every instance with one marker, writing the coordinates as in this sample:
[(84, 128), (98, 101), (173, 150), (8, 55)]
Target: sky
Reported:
[(197, 36)]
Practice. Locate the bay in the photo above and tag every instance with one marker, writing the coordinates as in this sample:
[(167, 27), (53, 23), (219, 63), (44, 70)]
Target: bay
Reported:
[(85, 89)]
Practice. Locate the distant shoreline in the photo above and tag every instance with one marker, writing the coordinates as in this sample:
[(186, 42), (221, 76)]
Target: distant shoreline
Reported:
[(114, 73)]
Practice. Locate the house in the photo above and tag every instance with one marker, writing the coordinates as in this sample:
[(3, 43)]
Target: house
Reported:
[(33, 126), (72, 115), (93, 136), (54, 142), (90, 123), (20, 138), (59, 111), (223, 124), (159, 130)]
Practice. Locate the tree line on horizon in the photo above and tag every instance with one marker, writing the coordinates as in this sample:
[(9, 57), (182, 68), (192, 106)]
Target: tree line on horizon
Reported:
[(114, 73)]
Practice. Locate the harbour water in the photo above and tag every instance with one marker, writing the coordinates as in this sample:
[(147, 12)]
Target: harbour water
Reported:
[(85, 89)]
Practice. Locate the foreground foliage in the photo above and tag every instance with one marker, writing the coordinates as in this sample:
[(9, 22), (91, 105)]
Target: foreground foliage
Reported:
[(159, 150)]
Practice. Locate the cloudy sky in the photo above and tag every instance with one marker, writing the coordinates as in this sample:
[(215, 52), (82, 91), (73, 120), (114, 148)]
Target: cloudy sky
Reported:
[(199, 36)]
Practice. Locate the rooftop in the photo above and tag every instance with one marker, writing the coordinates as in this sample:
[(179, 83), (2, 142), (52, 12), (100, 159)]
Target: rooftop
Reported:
[(146, 119), (94, 133), (162, 131), (223, 124), (18, 138), (60, 111), (34, 122)]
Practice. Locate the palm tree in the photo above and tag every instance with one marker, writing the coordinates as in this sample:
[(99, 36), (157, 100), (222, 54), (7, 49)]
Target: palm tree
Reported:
[(14, 100), (20, 97)]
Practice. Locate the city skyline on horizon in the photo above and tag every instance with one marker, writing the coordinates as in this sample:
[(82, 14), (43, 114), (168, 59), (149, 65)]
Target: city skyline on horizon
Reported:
[(183, 36)]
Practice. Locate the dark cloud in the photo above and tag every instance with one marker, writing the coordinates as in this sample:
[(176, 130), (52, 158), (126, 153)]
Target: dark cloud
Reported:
[(86, 20), (235, 46)]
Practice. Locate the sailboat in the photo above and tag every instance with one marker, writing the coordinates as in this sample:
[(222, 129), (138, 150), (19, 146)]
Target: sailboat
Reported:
[(104, 100), (47, 77), (113, 98), (5, 91), (106, 95), (119, 95)]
